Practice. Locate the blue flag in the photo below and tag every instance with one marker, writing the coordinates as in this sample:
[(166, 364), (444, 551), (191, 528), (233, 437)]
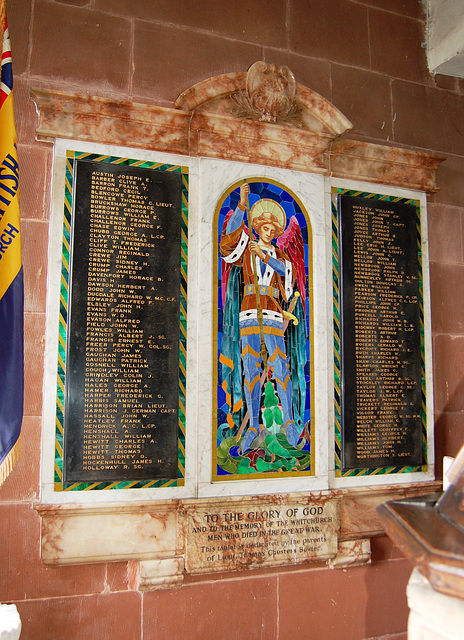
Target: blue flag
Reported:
[(11, 277)]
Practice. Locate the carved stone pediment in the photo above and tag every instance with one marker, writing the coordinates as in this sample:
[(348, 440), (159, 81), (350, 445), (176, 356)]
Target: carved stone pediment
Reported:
[(266, 94), (261, 116)]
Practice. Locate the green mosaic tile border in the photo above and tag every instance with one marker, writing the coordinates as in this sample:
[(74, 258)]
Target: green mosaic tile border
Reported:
[(336, 332), (71, 157)]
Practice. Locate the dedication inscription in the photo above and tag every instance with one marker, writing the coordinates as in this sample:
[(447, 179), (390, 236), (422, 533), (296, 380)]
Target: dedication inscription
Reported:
[(229, 536), (121, 402), (381, 334)]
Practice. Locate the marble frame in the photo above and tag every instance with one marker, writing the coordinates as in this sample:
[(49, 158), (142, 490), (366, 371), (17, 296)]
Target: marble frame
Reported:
[(208, 180), (49, 495), (397, 478), (215, 177)]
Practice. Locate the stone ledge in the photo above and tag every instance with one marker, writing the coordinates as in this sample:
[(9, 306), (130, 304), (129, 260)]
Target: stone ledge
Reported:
[(108, 532), (155, 534), (370, 162)]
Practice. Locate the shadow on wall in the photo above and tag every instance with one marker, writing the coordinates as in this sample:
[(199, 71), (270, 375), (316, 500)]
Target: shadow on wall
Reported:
[(387, 608)]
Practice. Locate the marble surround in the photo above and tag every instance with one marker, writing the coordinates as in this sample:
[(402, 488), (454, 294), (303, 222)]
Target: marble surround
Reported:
[(202, 124), (388, 189), (215, 177), (203, 132), (130, 532), (49, 495), (156, 534)]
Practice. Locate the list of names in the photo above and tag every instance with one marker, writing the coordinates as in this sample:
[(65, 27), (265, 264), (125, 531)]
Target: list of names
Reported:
[(123, 356), (381, 334)]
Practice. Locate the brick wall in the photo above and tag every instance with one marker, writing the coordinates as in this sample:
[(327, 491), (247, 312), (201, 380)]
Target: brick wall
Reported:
[(365, 56)]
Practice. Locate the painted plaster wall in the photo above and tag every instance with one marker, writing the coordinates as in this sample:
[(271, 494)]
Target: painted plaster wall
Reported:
[(367, 58)]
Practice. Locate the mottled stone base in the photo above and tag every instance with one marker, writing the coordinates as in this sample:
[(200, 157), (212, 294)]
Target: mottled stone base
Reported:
[(167, 539), (351, 553)]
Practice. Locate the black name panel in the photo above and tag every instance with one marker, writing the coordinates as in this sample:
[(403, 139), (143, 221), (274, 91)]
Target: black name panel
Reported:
[(380, 334), (122, 363)]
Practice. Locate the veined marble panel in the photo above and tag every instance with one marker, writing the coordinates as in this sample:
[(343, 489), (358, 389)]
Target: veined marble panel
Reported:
[(73, 535), (99, 120), (225, 137), (396, 167), (206, 122), (215, 178), (165, 573)]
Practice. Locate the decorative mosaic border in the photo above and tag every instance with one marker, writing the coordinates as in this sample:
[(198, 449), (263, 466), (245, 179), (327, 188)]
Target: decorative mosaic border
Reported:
[(71, 157), (336, 332)]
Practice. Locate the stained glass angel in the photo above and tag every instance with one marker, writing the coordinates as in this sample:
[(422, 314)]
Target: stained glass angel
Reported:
[(263, 352)]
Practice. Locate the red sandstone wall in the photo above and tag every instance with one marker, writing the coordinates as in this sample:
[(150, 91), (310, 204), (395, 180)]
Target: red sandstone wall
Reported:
[(365, 56)]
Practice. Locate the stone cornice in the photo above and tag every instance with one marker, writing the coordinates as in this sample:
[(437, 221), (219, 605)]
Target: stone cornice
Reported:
[(210, 129)]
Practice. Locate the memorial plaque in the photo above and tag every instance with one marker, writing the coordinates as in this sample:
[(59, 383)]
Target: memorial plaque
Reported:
[(122, 361), (249, 533), (381, 357)]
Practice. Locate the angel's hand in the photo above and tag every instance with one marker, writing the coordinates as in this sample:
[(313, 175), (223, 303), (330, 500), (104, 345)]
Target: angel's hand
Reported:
[(244, 191), (256, 249)]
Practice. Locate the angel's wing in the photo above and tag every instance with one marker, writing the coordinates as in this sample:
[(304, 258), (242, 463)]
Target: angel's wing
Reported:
[(291, 242)]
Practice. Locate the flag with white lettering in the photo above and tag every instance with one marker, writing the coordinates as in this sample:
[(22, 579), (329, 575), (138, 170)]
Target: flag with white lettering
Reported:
[(11, 274)]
